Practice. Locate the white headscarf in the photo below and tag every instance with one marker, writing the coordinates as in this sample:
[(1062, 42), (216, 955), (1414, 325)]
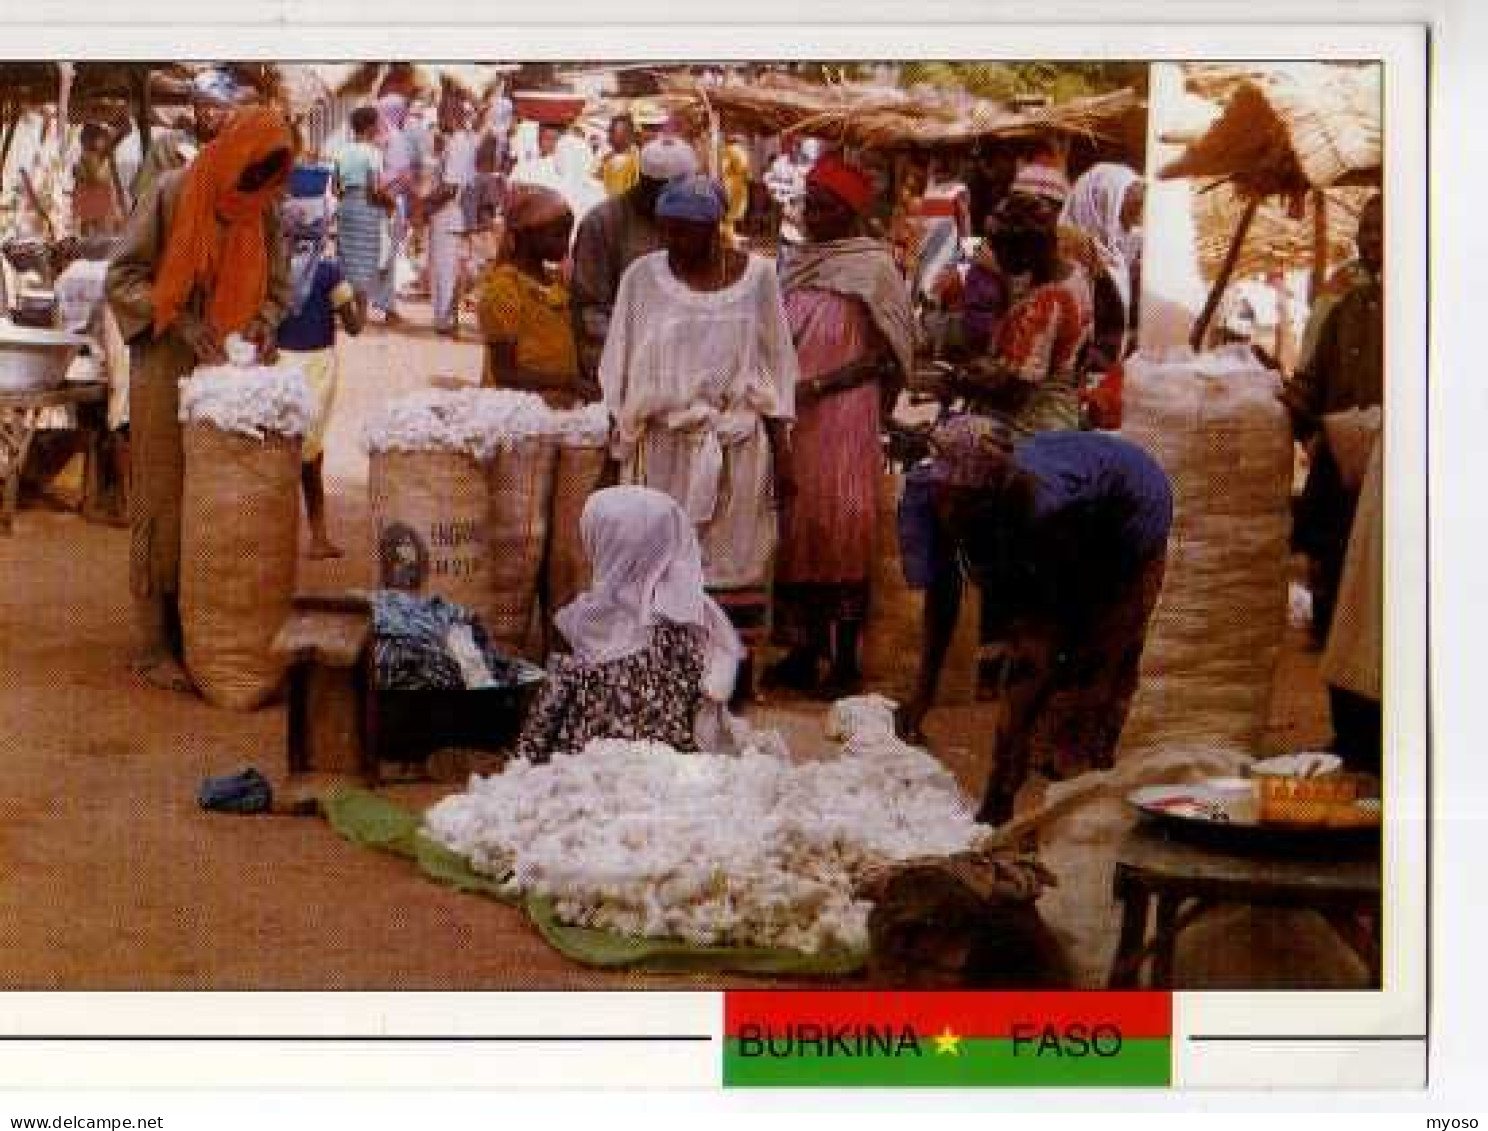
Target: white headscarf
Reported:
[(1094, 207), (647, 566)]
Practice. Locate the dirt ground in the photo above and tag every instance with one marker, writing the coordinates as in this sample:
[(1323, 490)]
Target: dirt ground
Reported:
[(112, 878)]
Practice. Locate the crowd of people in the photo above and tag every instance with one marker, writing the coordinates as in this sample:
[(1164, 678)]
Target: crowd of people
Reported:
[(749, 395)]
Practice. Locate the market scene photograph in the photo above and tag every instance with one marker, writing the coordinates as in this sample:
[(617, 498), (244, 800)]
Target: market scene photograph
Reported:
[(697, 525)]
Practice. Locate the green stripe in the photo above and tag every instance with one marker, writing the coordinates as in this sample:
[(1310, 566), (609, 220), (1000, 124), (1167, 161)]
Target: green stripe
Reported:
[(982, 1063)]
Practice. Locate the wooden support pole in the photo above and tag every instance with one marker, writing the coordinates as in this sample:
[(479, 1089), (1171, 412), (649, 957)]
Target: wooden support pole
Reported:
[(1227, 268), (1320, 248)]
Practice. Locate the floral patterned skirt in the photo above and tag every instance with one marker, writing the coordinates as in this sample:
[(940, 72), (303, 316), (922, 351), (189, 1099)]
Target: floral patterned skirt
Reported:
[(1065, 697)]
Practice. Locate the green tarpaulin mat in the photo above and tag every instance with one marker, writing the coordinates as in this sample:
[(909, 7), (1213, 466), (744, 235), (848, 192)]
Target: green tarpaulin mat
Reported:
[(602, 948), (365, 818)]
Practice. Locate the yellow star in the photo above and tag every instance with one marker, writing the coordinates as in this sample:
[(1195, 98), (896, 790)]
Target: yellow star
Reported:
[(947, 1043)]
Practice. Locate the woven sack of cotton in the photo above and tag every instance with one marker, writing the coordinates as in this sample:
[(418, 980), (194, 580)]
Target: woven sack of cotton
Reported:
[(429, 454), (240, 507), (744, 850), (1214, 422), (520, 491), (896, 618), (578, 473), (430, 525)]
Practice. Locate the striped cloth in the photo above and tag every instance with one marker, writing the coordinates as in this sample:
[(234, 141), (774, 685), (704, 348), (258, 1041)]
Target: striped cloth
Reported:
[(360, 241)]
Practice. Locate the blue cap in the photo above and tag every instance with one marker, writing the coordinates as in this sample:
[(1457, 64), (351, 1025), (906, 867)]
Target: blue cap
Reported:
[(698, 197)]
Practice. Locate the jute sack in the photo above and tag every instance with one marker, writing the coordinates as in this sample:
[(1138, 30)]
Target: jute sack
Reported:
[(577, 475), (520, 491), (894, 633), (430, 525), (1215, 424), (240, 512)]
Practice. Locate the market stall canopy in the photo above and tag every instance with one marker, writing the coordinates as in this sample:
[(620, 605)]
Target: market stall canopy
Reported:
[(476, 80), (884, 117), (98, 91), (1280, 238), (1287, 130)]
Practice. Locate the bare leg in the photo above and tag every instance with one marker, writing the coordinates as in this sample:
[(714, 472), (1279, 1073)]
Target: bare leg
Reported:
[(155, 660), (846, 677), (119, 459), (314, 488)]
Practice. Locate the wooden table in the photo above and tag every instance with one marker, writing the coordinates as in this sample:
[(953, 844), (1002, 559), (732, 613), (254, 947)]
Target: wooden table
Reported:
[(1183, 880), (20, 413)]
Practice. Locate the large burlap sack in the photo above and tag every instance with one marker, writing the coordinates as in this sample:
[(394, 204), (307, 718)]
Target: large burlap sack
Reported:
[(1215, 424), (240, 509), (894, 632), (430, 526), (577, 475), (520, 478)]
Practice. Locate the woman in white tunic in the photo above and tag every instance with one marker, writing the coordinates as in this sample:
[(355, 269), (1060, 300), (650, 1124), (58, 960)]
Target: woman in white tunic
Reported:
[(699, 372)]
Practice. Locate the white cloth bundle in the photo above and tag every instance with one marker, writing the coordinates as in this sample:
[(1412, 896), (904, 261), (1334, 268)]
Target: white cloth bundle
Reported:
[(636, 838)]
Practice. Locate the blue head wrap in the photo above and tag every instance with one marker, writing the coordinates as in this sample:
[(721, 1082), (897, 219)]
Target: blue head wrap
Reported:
[(698, 197)]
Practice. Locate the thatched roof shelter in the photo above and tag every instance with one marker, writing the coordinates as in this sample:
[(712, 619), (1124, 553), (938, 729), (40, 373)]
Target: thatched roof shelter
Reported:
[(1289, 130), (474, 80), (1280, 238), (1289, 140), (878, 117), (100, 91)]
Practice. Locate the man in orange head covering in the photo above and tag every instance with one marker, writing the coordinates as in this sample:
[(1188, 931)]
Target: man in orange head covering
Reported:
[(201, 258)]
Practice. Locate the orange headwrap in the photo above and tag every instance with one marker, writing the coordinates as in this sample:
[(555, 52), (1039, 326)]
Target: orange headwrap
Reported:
[(216, 238)]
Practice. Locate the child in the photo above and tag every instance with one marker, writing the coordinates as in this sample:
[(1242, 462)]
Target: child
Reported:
[(307, 338)]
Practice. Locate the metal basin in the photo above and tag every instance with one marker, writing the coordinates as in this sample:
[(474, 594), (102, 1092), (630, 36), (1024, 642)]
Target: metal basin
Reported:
[(31, 359)]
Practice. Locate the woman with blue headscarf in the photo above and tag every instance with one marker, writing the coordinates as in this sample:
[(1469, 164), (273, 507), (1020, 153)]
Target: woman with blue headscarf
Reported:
[(699, 372), (319, 296)]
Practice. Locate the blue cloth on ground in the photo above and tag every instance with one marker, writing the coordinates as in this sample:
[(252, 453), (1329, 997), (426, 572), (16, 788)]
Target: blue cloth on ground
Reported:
[(247, 791)]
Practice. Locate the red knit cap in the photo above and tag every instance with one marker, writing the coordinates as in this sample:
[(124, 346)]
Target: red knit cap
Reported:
[(847, 183)]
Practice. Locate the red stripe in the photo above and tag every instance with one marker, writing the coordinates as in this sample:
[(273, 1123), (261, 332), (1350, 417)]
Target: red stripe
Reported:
[(977, 1014)]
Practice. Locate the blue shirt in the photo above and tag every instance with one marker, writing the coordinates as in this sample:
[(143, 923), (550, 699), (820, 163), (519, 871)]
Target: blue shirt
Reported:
[(314, 327), (1101, 510), (1096, 476)]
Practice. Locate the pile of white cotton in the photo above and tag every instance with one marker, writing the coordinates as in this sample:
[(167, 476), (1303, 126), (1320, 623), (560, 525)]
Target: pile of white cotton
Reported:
[(754, 850), (248, 399), (479, 422), (587, 427)]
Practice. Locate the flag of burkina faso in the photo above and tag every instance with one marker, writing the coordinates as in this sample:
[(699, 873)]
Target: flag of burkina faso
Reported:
[(846, 1039)]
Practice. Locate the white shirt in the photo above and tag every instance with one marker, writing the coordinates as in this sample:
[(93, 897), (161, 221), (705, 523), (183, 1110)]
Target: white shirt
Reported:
[(690, 377), (456, 170), (672, 349)]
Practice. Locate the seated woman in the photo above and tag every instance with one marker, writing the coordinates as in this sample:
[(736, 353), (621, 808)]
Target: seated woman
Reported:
[(1066, 537), (523, 308), (654, 658)]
